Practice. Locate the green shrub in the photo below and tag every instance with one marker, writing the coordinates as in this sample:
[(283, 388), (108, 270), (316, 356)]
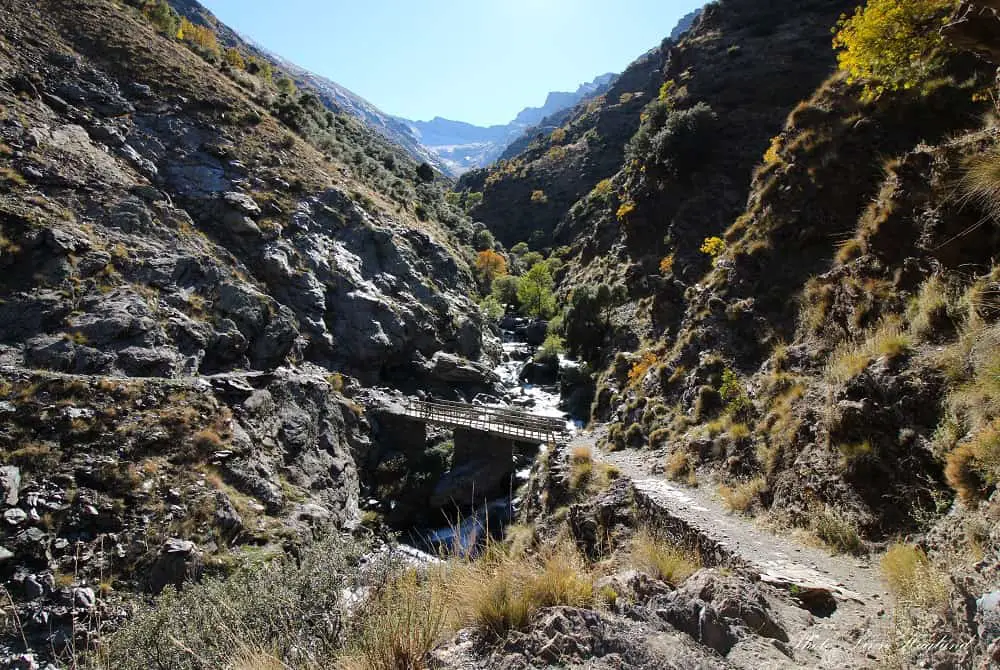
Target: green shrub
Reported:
[(295, 611), (679, 147), (551, 348)]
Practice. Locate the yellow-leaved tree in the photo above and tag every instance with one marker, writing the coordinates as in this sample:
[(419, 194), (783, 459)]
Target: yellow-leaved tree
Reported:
[(489, 266), (889, 45)]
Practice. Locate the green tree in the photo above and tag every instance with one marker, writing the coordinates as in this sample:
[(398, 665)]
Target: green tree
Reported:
[(286, 86), (162, 16), (505, 290), (892, 44), (425, 172), (492, 308), (530, 259), (473, 200), (534, 292), (483, 239)]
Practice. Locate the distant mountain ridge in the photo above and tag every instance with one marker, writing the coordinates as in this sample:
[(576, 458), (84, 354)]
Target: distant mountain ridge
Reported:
[(463, 146)]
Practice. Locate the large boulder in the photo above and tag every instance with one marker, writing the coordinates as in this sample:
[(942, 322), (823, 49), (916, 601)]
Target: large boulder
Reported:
[(178, 561)]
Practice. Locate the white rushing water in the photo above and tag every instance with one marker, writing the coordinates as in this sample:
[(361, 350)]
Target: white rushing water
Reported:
[(541, 400)]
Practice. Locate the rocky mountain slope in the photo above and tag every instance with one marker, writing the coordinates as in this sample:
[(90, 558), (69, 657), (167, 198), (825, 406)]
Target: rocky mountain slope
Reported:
[(333, 95), (778, 266), (552, 166), (463, 146), (803, 281), (166, 215)]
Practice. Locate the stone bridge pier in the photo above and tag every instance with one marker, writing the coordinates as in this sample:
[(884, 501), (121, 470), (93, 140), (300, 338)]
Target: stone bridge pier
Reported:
[(481, 468)]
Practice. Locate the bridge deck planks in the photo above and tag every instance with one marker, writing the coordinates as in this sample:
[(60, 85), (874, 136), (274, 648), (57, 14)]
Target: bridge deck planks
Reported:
[(515, 424)]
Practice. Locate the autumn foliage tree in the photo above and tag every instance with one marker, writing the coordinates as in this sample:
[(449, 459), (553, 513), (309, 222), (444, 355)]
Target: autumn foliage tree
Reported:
[(889, 45), (200, 37), (235, 58), (489, 266)]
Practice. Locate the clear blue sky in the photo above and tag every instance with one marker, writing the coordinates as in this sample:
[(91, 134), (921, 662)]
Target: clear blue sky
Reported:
[(479, 61)]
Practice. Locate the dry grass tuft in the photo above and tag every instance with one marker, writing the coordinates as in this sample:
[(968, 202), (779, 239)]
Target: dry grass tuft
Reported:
[(980, 182), (502, 591), (256, 659), (743, 495), (974, 466), (929, 311), (913, 579), (400, 624), (661, 559), (851, 358), (587, 475), (837, 532)]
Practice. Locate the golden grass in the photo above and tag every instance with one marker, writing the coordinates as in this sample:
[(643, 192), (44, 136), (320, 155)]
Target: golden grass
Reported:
[(741, 496), (980, 182), (913, 579), (502, 591), (587, 475), (256, 659), (400, 624), (661, 559), (928, 311), (974, 465), (851, 358), (679, 466)]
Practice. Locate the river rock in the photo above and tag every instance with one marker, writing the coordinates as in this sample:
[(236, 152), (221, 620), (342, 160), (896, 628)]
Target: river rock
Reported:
[(543, 372), (447, 367), (534, 333), (15, 516)]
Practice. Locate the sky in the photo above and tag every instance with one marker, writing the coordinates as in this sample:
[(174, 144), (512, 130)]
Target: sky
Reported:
[(479, 61)]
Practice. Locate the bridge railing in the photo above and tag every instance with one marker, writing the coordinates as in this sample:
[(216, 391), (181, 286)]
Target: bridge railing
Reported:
[(492, 418)]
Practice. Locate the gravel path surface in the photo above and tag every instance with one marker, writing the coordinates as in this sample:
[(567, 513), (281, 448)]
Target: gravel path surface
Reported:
[(850, 636)]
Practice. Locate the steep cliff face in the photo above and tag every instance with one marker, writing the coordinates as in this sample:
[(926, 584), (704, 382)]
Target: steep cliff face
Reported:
[(194, 231), (806, 318), (158, 224)]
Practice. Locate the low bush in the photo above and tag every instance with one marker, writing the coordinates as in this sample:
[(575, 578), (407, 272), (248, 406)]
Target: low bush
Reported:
[(295, 611)]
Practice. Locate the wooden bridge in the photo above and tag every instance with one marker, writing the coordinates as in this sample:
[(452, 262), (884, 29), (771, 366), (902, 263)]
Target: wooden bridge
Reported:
[(515, 424)]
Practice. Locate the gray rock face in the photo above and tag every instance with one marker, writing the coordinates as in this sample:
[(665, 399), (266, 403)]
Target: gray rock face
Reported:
[(10, 484), (295, 426), (718, 611), (184, 267)]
